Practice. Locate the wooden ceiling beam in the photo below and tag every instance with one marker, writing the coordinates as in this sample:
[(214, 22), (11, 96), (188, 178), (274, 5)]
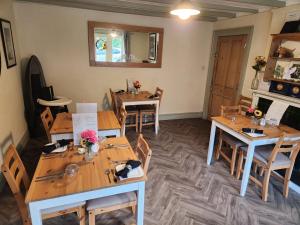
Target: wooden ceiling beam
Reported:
[(270, 3)]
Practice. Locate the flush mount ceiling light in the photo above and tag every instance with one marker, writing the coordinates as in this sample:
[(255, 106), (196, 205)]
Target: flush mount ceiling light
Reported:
[(185, 9)]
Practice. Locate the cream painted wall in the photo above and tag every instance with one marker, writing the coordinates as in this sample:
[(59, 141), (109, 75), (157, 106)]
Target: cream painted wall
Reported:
[(12, 120), (58, 36), (264, 24)]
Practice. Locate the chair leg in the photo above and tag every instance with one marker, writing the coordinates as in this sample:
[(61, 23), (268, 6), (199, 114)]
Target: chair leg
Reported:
[(265, 187), (137, 122), (219, 148), (239, 165), (133, 208), (81, 215), (233, 159), (287, 178), (92, 219), (141, 121), (255, 168)]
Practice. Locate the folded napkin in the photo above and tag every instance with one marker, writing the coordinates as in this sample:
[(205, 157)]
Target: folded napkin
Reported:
[(120, 92), (252, 130), (51, 147), (130, 165)]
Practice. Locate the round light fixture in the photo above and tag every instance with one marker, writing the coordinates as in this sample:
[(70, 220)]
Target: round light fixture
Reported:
[(185, 9)]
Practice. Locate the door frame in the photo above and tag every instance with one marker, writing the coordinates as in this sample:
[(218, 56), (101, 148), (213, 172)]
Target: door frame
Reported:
[(216, 34)]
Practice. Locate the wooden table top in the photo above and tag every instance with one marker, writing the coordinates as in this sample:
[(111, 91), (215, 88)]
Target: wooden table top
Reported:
[(245, 122), (107, 120), (141, 96), (91, 176)]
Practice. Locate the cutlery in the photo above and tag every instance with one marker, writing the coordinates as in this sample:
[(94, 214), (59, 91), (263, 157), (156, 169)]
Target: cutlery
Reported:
[(107, 172), (49, 177)]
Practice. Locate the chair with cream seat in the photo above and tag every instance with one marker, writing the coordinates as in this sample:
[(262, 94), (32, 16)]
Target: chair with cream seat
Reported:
[(271, 158), (124, 200), (47, 120), (132, 112), (17, 179), (149, 110), (232, 143)]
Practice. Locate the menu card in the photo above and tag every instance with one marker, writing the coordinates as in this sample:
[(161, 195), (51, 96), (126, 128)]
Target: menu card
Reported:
[(82, 122), (86, 107)]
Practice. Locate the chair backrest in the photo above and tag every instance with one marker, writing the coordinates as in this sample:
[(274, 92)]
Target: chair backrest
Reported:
[(231, 110), (245, 103), (47, 120), (16, 175), (143, 152), (159, 92), (288, 143), (122, 120), (114, 103)]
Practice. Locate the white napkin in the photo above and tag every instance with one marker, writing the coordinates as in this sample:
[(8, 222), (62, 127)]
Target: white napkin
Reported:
[(134, 173), (58, 150), (276, 111)]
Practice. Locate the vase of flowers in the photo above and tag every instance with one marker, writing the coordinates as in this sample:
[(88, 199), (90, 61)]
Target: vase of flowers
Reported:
[(89, 140), (137, 85), (260, 63)]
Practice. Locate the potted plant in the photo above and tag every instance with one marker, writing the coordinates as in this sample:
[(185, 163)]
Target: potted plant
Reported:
[(260, 63)]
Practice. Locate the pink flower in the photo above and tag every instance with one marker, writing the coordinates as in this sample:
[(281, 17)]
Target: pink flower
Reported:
[(250, 110), (89, 136)]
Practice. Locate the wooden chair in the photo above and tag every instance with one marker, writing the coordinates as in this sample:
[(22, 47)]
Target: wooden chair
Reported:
[(271, 158), (125, 200), (232, 143), (150, 110), (245, 103), (132, 112), (16, 176), (47, 120)]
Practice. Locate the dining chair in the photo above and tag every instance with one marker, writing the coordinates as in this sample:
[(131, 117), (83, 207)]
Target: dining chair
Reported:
[(245, 103), (149, 110), (18, 180), (270, 159), (47, 119), (228, 143), (124, 200), (132, 112)]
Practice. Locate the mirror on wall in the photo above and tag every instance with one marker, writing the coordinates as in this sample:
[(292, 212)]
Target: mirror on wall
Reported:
[(119, 45)]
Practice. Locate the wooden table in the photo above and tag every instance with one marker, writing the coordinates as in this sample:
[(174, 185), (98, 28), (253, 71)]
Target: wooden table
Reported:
[(235, 129), (62, 127), (91, 182), (142, 98)]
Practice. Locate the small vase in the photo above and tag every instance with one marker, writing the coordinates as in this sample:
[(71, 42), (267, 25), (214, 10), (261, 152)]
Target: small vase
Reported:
[(255, 82), (89, 154), (137, 91)]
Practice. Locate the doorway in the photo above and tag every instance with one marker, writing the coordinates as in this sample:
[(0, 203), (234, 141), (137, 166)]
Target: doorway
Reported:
[(230, 49)]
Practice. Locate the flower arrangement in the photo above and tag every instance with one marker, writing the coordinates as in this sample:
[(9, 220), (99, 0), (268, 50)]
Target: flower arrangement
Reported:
[(137, 84), (88, 138), (250, 111), (260, 63)]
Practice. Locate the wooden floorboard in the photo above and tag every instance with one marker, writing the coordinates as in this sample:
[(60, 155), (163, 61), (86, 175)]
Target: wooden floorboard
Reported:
[(182, 189)]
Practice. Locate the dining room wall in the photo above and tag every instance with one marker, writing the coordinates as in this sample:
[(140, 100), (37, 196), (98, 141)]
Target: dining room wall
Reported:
[(12, 122), (58, 36), (264, 24)]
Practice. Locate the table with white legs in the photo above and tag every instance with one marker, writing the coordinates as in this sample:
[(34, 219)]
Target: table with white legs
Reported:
[(142, 98), (91, 182), (62, 128), (234, 128)]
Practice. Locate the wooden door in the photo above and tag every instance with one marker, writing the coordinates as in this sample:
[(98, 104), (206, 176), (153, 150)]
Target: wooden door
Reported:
[(227, 72)]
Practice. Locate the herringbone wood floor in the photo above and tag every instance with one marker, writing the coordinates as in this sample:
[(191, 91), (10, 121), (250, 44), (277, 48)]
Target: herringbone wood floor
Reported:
[(182, 189)]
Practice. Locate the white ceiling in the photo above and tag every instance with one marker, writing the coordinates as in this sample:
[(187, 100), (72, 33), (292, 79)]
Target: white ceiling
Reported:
[(211, 10)]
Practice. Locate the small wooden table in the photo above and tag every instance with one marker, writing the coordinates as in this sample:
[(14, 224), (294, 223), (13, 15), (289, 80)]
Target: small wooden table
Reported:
[(235, 129), (62, 127), (142, 98), (91, 181)]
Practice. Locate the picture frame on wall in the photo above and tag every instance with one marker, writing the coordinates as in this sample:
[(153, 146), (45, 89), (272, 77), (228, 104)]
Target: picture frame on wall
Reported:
[(8, 43), (152, 46)]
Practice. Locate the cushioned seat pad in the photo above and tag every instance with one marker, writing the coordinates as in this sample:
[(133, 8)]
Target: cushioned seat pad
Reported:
[(232, 141), (111, 200), (262, 153), (64, 207)]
